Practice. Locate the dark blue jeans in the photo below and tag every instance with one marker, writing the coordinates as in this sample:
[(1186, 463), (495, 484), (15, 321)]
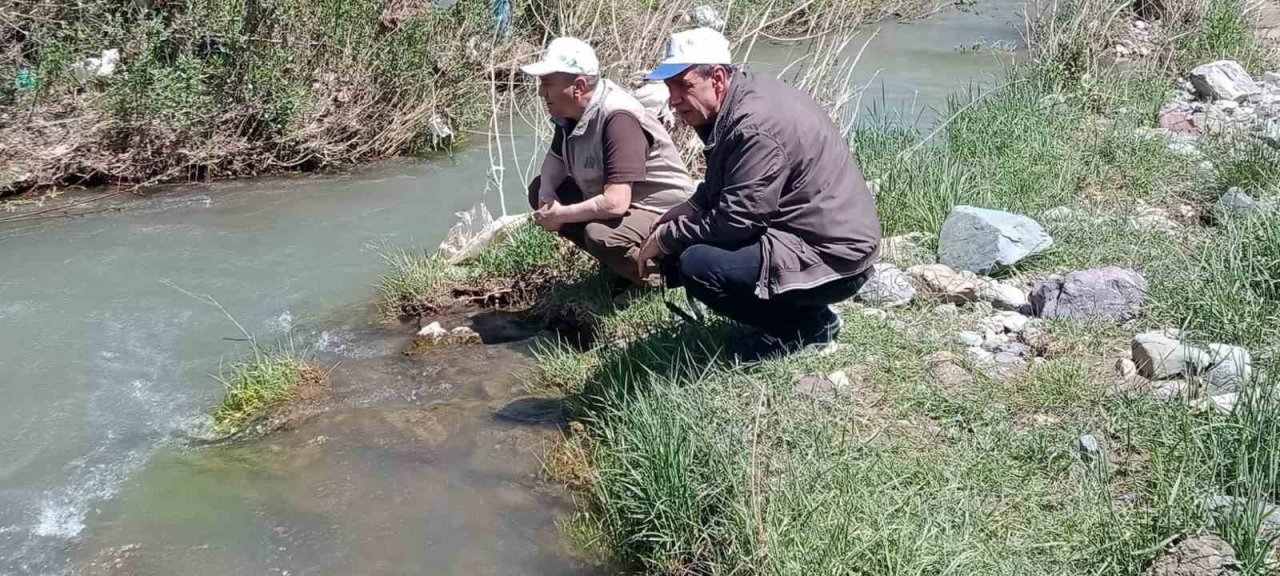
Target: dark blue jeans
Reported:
[(725, 280)]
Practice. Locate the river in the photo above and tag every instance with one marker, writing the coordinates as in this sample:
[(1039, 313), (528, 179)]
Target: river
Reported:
[(105, 368)]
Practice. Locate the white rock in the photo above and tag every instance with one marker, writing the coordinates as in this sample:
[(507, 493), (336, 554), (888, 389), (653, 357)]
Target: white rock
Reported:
[(1237, 202), (433, 329), (840, 379), (1221, 403), (1003, 296), (1089, 447), (887, 286), (1126, 369), (1159, 356), (1231, 368), (1223, 80), (970, 338)]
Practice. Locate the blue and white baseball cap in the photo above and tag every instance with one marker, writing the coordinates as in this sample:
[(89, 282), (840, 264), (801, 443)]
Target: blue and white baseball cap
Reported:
[(568, 55), (691, 48)]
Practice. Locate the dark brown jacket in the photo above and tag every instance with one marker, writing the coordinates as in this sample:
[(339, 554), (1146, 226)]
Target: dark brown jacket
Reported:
[(780, 173)]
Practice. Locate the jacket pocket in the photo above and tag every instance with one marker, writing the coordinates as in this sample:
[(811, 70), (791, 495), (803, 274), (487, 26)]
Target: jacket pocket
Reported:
[(789, 253)]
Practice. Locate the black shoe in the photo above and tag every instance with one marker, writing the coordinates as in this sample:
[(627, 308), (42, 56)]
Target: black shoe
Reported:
[(761, 347)]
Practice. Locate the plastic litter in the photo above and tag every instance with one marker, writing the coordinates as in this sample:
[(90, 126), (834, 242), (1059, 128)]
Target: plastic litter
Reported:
[(101, 67), (440, 127), (476, 228), (25, 81), (708, 17)]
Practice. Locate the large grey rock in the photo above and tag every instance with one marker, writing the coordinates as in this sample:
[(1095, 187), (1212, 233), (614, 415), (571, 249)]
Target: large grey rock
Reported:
[(1159, 356), (981, 240), (1223, 80), (887, 286), (1200, 556), (1236, 202), (1230, 368), (1098, 295)]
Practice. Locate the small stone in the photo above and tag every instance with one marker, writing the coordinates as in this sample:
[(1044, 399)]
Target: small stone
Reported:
[(1181, 122), (840, 380), (1092, 296), (1223, 80), (1207, 555), (815, 387), (1158, 356), (1221, 403), (1001, 295), (1221, 507), (982, 240), (1237, 202), (1126, 369), (950, 375), (1012, 353), (941, 280), (887, 286), (991, 341), (433, 331), (464, 335), (979, 356), (947, 310), (1013, 322), (1230, 368), (1089, 447)]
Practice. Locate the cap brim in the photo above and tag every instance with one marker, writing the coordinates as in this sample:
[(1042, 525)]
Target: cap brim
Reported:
[(539, 68), (664, 71)]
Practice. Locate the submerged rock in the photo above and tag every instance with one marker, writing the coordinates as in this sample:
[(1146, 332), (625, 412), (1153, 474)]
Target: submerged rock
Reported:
[(981, 240)]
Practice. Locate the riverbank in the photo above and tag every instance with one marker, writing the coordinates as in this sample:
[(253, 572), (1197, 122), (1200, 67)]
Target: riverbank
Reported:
[(942, 435), (95, 94)]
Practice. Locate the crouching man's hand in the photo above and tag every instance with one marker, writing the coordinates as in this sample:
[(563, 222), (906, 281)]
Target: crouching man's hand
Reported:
[(648, 252), (550, 216)]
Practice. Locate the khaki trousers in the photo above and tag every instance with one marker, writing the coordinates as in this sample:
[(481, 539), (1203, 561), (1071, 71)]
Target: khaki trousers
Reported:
[(613, 241)]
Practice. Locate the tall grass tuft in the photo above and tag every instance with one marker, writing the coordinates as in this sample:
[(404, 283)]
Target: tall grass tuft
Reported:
[(255, 386)]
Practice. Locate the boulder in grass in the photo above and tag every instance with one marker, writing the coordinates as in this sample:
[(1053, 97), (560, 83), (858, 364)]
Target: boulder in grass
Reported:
[(981, 240), (1097, 295), (1223, 80)]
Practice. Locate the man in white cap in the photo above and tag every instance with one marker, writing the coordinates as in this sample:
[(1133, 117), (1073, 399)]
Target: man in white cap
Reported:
[(612, 169), (784, 225)]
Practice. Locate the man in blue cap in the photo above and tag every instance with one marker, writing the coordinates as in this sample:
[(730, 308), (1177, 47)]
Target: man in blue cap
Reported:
[(783, 225)]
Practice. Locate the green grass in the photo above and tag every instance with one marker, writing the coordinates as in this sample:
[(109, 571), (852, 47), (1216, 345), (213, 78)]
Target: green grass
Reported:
[(255, 386), (707, 468)]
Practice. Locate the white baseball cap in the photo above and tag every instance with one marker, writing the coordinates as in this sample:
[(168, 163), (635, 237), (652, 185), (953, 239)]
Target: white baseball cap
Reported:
[(691, 48), (568, 55)]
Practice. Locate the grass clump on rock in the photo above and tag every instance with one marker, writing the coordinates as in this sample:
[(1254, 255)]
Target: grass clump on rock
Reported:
[(255, 387)]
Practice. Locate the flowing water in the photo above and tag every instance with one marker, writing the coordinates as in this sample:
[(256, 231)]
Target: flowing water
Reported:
[(105, 369)]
